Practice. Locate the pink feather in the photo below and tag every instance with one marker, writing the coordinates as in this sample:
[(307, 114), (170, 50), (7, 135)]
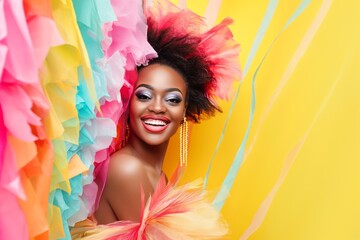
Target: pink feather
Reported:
[(221, 50), (172, 212)]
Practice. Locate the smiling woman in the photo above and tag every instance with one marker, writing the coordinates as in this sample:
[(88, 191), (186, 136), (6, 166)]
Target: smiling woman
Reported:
[(158, 105), (157, 109), (193, 67)]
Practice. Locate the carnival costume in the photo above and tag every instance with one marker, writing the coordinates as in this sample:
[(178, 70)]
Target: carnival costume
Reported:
[(95, 81)]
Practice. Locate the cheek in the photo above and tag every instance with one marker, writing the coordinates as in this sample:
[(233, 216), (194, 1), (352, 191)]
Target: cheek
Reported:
[(179, 114), (132, 105), (135, 109)]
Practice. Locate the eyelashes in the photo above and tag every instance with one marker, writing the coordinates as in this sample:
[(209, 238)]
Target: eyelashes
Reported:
[(142, 95), (171, 98)]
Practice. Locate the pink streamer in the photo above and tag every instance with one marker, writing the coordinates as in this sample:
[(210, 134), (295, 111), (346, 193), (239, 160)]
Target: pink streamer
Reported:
[(289, 70), (20, 62), (24, 44), (212, 11), (9, 178), (44, 35), (3, 27), (182, 4), (3, 142), (17, 105), (290, 159), (12, 220), (3, 53)]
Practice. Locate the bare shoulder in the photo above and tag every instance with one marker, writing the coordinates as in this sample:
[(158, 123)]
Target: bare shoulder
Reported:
[(126, 177), (124, 166)]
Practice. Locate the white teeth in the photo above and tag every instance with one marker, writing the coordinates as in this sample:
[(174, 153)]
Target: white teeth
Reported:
[(154, 122)]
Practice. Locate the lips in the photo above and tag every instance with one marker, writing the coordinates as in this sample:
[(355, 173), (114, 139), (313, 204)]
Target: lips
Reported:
[(155, 124)]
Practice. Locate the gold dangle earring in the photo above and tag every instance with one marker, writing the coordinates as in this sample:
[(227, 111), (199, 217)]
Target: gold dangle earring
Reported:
[(127, 132), (126, 135), (183, 143)]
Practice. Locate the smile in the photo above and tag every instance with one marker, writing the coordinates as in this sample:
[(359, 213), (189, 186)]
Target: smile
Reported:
[(155, 124)]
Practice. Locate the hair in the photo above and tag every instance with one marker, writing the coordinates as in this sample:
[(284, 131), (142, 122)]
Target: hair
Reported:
[(181, 53)]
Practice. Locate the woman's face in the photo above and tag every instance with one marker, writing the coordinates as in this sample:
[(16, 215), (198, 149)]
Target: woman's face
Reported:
[(157, 106)]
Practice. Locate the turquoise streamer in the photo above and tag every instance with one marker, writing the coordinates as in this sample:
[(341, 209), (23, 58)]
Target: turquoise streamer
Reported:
[(269, 13), (90, 15), (230, 177)]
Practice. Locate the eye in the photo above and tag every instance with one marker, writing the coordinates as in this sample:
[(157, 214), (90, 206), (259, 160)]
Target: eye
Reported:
[(173, 99), (143, 96)]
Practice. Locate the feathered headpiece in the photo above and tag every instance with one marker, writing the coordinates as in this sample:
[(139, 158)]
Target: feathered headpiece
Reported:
[(207, 59)]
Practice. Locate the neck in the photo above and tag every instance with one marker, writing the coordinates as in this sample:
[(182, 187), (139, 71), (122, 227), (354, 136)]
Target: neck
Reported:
[(151, 155)]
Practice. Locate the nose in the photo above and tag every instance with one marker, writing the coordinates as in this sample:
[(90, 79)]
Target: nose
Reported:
[(157, 106)]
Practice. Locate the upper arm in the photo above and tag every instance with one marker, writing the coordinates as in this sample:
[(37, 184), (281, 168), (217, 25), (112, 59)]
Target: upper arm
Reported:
[(125, 178)]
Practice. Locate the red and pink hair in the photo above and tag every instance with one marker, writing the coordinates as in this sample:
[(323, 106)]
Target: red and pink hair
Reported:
[(207, 59)]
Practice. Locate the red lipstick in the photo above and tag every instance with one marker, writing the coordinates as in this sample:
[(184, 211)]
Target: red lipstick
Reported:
[(155, 124)]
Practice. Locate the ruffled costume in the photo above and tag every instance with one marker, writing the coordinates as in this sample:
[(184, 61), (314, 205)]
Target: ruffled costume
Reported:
[(171, 212), (66, 74)]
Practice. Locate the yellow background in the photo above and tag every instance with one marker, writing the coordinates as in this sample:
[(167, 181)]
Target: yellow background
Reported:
[(320, 196)]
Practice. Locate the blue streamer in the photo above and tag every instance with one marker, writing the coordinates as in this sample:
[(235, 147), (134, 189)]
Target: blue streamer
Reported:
[(90, 15), (230, 177), (269, 13)]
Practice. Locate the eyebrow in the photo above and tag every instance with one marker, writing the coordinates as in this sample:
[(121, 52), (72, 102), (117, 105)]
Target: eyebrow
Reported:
[(166, 90)]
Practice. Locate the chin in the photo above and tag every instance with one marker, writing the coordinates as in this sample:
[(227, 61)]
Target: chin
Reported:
[(155, 139)]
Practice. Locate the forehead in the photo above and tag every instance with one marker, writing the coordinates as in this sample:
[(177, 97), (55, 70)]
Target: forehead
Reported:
[(161, 76)]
